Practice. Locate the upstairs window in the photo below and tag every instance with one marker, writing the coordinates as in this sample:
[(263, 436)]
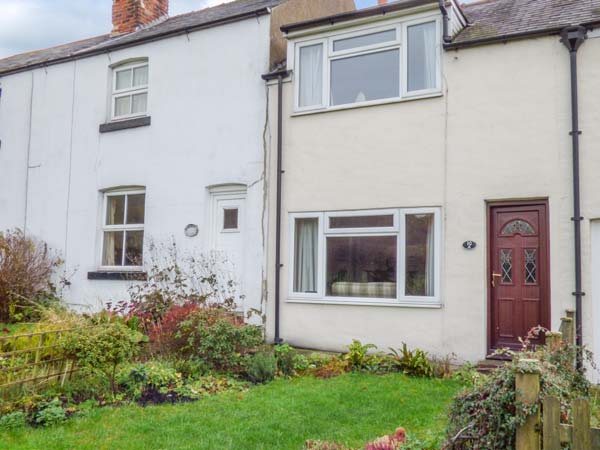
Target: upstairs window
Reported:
[(370, 66), (123, 229), (130, 91)]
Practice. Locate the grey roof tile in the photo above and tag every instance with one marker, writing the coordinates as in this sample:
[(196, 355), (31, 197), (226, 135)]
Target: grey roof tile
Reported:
[(197, 19), (497, 19)]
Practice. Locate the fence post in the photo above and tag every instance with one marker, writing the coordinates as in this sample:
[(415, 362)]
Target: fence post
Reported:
[(582, 434), (527, 392), (553, 340), (551, 424)]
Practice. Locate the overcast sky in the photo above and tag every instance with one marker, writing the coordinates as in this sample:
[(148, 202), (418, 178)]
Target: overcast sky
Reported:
[(33, 24)]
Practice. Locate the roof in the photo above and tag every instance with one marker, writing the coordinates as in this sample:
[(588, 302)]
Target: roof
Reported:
[(208, 17), (358, 14), (488, 20), (493, 20)]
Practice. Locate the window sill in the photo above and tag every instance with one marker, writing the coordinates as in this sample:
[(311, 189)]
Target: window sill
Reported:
[(125, 124), (118, 275), (363, 302), (367, 104)]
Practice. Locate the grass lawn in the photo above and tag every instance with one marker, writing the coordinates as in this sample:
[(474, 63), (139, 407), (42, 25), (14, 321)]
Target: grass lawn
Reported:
[(351, 409)]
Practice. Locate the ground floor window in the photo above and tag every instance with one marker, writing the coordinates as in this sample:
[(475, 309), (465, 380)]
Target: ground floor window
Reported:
[(390, 256), (123, 229)]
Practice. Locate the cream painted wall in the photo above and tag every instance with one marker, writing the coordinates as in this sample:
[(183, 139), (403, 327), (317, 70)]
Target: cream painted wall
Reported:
[(500, 131)]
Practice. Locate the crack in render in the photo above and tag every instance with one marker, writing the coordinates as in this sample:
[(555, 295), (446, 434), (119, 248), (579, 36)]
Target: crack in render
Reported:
[(266, 141)]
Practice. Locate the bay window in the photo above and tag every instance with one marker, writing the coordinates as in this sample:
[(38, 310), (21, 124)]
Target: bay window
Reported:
[(381, 256), (373, 65), (123, 229)]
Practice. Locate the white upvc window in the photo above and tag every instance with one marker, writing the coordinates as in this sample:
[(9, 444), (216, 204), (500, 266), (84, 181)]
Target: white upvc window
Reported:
[(373, 65), (123, 230), (129, 91), (382, 257)]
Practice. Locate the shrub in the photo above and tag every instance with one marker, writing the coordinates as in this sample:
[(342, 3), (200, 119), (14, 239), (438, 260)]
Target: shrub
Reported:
[(286, 359), (50, 413), (102, 348), (26, 268), (414, 363), (12, 421), (262, 367), (358, 356), (178, 279), (162, 334), (218, 337), (489, 412)]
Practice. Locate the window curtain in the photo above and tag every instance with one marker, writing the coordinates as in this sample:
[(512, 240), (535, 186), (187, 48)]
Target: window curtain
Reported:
[(305, 277), (430, 260), (109, 258), (311, 75), (422, 60)]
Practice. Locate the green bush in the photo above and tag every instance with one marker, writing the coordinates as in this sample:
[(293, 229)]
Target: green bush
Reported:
[(50, 413), (489, 410), (12, 421), (218, 338), (285, 356), (262, 367), (102, 348), (358, 357), (414, 363)]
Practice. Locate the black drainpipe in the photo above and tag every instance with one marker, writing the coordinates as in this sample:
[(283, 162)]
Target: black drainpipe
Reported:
[(445, 22), (280, 75), (573, 38)]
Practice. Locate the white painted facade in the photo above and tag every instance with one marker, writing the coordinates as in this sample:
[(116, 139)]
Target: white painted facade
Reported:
[(498, 130), (207, 104)]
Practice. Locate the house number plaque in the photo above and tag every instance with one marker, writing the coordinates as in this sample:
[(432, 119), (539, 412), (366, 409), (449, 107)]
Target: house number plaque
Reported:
[(469, 245)]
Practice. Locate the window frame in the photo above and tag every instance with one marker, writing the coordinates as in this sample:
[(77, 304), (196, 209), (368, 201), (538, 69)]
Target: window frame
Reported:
[(398, 230), (124, 227), (128, 92), (401, 43)]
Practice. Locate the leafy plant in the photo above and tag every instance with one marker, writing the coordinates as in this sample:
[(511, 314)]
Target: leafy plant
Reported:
[(12, 421), (26, 269), (262, 367), (358, 356), (102, 348), (285, 355), (50, 413), (332, 368), (489, 413), (218, 337), (413, 363)]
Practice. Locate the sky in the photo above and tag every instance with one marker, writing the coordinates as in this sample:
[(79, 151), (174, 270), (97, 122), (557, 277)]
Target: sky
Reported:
[(33, 24)]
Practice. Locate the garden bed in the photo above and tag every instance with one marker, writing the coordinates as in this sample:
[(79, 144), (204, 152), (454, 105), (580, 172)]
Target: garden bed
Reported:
[(350, 409)]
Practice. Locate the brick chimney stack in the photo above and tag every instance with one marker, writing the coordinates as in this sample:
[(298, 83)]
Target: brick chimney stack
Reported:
[(129, 15), (382, 2)]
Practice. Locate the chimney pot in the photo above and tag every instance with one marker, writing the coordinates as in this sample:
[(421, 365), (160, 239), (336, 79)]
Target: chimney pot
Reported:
[(129, 15)]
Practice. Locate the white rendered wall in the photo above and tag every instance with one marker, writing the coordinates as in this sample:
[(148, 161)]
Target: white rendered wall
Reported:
[(207, 102)]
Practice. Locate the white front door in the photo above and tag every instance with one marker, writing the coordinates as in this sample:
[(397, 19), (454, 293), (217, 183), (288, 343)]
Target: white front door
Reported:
[(228, 216)]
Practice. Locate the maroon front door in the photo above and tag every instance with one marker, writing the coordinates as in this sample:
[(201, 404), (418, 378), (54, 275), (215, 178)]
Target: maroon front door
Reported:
[(519, 272)]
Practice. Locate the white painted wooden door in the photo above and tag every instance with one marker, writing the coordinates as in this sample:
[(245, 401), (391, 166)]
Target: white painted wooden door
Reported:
[(229, 233)]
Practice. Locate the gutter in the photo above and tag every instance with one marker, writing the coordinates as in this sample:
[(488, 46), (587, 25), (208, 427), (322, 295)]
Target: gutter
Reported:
[(86, 53), (573, 38), (279, 76)]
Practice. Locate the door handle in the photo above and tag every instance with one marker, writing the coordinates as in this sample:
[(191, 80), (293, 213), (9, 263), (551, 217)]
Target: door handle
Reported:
[(494, 276)]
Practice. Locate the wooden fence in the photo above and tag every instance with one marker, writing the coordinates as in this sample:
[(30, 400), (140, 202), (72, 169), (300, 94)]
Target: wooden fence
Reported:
[(32, 359), (544, 430)]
